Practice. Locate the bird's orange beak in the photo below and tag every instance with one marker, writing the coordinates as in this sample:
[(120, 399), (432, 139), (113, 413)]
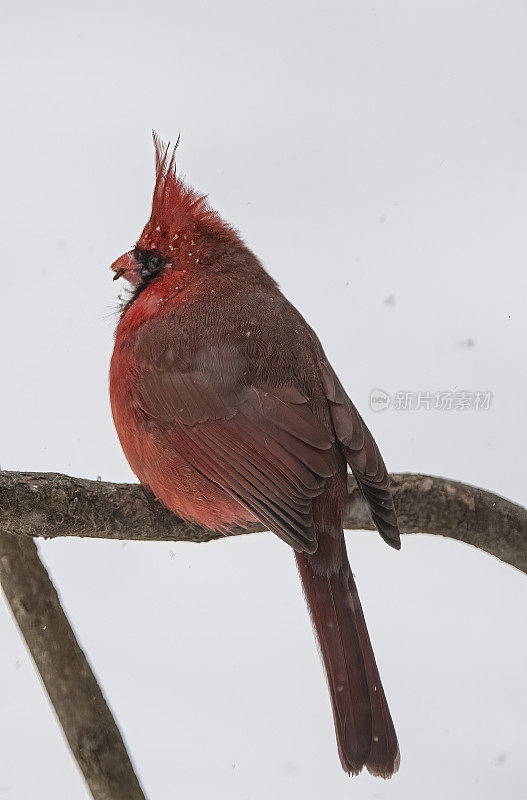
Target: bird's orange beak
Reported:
[(127, 266)]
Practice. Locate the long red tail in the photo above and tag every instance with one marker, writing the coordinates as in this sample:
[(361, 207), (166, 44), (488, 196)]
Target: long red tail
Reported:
[(363, 725)]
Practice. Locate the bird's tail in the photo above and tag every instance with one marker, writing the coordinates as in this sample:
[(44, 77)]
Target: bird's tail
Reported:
[(363, 725)]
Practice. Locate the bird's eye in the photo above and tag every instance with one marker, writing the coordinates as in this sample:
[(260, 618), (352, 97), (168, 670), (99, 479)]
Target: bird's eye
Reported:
[(152, 263)]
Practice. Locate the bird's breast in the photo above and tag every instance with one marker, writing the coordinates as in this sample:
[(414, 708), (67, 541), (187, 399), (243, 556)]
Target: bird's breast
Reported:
[(157, 463)]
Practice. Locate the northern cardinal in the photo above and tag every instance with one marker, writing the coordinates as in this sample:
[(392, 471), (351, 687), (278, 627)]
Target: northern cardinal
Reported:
[(227, 409)]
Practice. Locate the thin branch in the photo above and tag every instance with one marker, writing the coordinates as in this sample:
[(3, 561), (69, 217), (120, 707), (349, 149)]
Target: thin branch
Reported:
[(87, 722), (50, 505)]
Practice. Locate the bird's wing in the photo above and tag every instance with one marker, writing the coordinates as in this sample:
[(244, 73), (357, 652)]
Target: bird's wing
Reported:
[(262, 444), (363, 456)]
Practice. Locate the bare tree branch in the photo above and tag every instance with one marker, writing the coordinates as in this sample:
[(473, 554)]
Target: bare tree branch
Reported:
[(87, 722), (53, 505)]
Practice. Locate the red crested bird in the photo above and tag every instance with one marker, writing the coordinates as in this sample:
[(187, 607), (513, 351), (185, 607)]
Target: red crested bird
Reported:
[(227, 409)]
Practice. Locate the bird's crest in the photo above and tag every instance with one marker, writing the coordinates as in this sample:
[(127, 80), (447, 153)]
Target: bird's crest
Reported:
[(176, 207)]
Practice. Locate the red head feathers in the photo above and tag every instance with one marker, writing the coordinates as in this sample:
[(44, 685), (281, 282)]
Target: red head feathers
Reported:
[(182, 246), (176, 207), (183, 232)]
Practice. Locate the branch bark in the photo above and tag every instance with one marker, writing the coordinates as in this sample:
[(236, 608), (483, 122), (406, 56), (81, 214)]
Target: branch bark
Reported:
[(87, 722), (50, 505)]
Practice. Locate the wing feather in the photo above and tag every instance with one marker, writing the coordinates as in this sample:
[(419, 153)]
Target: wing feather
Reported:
[(263, 445), (363, 457)]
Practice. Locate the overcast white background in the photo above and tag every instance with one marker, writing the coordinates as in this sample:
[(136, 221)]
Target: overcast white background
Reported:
[(366, 151)]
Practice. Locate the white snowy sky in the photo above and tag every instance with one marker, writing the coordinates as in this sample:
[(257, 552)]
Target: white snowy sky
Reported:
[(365, 150)]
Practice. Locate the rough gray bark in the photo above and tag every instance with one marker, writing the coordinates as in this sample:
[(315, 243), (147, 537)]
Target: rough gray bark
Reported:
[(50, 505), (83, 713)]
